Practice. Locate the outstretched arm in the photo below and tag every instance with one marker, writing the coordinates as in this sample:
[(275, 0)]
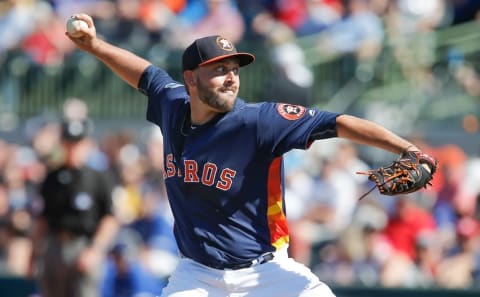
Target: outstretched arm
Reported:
[(412, 171), (125, 64), (366, 132)]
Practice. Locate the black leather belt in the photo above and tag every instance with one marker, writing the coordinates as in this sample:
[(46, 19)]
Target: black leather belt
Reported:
[(264, 258)]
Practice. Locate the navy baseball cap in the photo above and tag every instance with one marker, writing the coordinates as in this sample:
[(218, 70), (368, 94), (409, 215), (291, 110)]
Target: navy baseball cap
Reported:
[(211, 49), (75, 130)]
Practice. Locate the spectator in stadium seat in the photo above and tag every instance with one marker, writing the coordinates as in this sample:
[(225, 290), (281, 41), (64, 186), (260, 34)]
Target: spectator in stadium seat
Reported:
[(360, 32), (461, 266), (215, 17), (406, 224)]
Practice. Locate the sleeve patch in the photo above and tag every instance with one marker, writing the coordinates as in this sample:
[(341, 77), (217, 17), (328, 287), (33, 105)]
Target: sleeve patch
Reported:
[(291, 112)]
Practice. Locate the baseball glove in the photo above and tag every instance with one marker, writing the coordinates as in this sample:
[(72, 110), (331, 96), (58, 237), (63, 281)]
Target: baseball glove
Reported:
[(412, 171)]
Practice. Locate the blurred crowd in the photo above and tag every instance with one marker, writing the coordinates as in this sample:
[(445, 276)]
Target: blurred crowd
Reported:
[(428, 239), (143, 252), (37, 27), (297, 33)]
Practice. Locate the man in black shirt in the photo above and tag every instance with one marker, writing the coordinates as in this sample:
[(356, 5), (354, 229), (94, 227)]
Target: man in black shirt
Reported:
[(76, 226)]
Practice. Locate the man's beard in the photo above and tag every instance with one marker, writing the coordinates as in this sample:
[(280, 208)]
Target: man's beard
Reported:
[(215, 99)]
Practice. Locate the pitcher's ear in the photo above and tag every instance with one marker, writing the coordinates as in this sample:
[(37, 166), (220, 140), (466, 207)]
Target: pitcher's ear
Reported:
[(188, 77)]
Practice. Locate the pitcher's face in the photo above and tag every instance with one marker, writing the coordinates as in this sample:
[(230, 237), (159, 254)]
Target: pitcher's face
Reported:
[(218, 84)]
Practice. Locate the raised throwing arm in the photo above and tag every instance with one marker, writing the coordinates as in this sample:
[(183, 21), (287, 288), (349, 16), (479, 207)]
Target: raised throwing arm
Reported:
[(128, 66)]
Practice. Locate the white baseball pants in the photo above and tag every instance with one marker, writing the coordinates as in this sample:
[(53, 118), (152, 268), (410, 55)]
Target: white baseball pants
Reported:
[(280, 277)]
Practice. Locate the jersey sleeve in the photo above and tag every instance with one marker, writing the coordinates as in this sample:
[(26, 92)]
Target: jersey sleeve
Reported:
[(283, 127), (162, 90)]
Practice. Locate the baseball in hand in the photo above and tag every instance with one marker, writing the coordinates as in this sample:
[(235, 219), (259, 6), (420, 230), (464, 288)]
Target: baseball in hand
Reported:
[(74, 27)]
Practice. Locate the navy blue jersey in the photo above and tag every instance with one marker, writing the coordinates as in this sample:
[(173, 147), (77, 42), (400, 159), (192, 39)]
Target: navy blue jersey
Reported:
[(224, 179)]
